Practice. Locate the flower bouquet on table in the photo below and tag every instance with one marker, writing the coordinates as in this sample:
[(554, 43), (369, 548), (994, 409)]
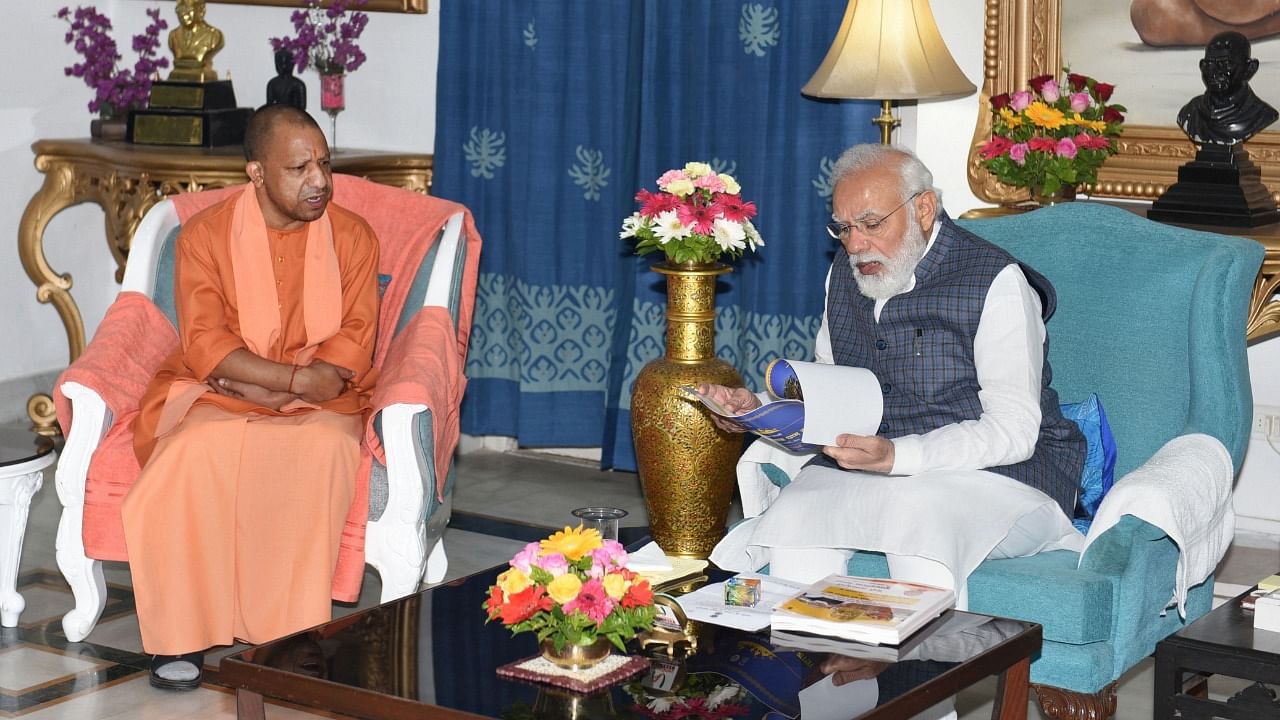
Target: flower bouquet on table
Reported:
[(572, 589), (115, 90), (696, 216), (1056, 134)]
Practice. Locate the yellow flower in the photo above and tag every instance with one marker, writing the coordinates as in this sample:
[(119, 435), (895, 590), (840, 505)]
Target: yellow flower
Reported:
[(680, 188), (1094, 125), (513, 581), (696, 170), (730, 185), (573, 543), (1009, 118), (564, 588), (615, 585), (1045, 116)]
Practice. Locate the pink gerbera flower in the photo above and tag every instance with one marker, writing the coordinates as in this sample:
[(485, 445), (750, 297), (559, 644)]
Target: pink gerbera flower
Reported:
[(734, 208), (653, 204), (592, 601), (701, 217)]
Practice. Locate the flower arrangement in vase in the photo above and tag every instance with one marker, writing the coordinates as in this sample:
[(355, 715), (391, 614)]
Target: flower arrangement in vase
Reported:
[(115, 90), (573, 590), (1054, 135), (696, 216), (325, 39)]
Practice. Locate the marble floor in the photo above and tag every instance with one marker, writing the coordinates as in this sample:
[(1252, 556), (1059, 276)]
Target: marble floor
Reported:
[(502, 501)]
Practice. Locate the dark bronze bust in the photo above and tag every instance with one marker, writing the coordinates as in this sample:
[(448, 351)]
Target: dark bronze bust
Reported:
[(1228, 112), (284, 88)]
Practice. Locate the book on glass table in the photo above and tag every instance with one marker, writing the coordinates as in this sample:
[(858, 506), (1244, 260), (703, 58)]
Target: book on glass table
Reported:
[(869, 610)]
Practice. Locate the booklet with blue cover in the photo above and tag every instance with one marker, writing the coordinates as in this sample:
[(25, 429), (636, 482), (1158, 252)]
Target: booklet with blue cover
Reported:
[(809, 404)]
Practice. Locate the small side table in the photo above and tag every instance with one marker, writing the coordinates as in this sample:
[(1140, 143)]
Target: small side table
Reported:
[(23, 458), (1223, 642)]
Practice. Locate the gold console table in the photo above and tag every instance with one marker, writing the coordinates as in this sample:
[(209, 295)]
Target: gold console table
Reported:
[(126, 181)]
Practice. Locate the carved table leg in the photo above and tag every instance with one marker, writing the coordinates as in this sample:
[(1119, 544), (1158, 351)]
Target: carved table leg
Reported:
[(58, 192), (1060, 704)]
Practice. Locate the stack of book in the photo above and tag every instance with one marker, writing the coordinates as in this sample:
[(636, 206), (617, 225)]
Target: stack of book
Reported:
[(869, 610)]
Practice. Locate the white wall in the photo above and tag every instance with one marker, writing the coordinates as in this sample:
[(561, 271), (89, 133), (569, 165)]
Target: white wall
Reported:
[(390, 106)]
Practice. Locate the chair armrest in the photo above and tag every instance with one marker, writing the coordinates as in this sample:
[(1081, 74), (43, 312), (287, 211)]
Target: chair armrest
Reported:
[(410, 466), (92, 422)]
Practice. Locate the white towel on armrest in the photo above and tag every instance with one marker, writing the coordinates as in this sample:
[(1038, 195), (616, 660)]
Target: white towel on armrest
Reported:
[(1185, 490)]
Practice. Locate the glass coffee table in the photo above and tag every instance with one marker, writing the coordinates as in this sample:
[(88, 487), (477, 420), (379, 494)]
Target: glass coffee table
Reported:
[(432, 655)]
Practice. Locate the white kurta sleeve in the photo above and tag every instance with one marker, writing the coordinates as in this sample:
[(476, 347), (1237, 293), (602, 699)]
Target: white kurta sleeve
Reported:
[(1008, 352)]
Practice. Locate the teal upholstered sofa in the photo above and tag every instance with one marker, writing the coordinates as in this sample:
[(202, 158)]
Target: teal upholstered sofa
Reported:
[(1152, 319)]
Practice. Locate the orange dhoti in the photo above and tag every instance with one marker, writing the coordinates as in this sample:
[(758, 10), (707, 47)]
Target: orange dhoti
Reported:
[(233, 527)]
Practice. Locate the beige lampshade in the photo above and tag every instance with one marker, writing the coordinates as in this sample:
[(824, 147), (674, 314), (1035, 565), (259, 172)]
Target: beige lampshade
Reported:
[(888, 50)]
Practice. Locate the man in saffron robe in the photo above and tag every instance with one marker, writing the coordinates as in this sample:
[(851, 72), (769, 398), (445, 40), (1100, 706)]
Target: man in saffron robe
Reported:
[(249, 434)]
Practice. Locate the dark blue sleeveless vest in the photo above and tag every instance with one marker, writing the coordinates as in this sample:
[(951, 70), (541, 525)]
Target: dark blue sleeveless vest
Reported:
[(922, 352)]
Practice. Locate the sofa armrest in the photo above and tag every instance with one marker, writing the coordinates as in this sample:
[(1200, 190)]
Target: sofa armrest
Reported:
[(93, 419)]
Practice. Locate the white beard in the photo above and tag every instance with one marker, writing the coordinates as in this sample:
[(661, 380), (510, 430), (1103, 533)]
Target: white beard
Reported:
[(895, 272)]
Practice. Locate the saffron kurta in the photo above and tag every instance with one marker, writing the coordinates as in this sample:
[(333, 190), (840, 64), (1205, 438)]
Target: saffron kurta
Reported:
[(233, 527)]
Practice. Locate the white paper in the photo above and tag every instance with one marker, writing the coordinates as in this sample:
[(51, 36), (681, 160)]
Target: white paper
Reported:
[(649, 558), (838, 401), (706, 604), (824, 700)]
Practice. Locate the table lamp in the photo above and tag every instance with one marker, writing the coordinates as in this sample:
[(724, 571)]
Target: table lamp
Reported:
[(888, 50)]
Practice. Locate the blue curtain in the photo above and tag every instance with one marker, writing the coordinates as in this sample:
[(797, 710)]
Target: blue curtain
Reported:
[(552, 114)]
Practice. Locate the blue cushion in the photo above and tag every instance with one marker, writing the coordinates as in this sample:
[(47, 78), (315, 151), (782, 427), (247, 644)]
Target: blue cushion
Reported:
[(1100, 462)]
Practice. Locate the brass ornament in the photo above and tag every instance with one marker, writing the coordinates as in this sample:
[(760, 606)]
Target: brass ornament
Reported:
[(686, 463)]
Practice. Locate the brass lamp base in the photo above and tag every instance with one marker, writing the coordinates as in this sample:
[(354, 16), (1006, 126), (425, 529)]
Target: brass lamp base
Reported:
[(886, 121)]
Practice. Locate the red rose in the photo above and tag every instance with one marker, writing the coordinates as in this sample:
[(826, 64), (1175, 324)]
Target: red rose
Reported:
[(1078, 82), (638, 595), (1037, 83), (1112, 115), (524, 604), (1043, 144), (1000, 101), (1103, 91)]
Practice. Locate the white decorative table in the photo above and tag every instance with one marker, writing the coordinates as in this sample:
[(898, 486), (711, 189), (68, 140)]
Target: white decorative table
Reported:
[(23, 458)]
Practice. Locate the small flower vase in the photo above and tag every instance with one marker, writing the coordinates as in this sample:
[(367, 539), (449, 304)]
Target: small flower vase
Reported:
[(1064, 193), (109, 125), (576, 657), (333, 100)]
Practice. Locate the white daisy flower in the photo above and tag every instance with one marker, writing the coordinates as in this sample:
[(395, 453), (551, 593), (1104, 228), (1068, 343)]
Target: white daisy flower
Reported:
[(753, 237), (631, 225), (667, 227), (729, 234)]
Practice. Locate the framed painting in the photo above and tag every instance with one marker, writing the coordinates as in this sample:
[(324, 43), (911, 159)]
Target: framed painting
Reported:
[(408, 6), (1026, 38)]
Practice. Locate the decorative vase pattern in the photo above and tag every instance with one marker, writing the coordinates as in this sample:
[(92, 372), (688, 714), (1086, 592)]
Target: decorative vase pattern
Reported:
[(576, 657), (686, 463), (332, 96)]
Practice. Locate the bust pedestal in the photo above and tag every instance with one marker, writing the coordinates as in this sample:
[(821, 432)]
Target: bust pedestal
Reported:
[(1222, 186)]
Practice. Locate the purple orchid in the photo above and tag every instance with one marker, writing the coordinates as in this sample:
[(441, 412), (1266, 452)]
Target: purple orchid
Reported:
[(325, 38), (114, 89)]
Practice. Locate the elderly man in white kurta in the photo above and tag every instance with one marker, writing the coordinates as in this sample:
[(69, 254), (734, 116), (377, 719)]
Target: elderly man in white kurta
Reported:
[(973, 458)]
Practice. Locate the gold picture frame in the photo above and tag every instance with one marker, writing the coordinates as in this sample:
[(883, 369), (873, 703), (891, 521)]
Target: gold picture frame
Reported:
[(1023, 39), (405, 6)]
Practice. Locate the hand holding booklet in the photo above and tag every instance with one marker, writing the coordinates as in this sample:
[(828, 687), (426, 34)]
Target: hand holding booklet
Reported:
[(881, 611), (810, 404)]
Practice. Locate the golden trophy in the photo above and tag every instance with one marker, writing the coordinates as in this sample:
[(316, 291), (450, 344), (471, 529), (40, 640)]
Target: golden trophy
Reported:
[(192, 106)]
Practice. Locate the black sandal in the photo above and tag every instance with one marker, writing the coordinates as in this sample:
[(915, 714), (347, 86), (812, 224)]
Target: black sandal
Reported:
[(160, 661)]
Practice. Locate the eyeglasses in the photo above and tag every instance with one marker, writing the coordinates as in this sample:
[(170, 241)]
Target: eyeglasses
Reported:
[(840, 231)]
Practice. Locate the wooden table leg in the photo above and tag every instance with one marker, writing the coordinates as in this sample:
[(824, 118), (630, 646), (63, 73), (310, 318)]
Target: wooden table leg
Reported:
[(1011, 692), (249, 706)]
